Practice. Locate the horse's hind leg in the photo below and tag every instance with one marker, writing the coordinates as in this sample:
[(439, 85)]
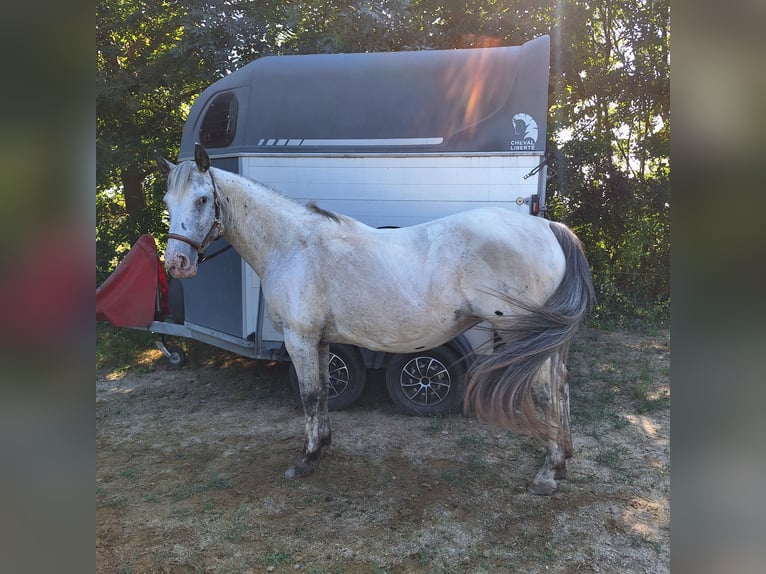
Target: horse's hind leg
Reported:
[(553, 397), (311, 365), (323, 417), (565, 427)]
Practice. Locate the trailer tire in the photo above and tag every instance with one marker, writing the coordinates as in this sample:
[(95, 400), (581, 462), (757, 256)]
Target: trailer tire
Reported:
[(428, 383), (348, 376), (176, 356)]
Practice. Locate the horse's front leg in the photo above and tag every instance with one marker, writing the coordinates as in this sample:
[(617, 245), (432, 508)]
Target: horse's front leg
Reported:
[(553, 397), (311, 362)]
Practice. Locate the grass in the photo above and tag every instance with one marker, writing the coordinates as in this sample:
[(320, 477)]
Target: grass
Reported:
[(276, 557), (182, 492), (236, 533), (437, 424), (128, 473), (475, 467), (116, 501), (612, 379), (604, 382), (119, 349), (612, 382), (612, 457), (645, 395), (547, 553), (638, 541)]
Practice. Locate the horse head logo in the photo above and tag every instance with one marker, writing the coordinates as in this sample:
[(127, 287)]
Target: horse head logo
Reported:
[(525, 128)]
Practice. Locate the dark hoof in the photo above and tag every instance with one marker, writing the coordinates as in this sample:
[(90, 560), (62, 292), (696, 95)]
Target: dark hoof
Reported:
[(299, 470), (542, 487)]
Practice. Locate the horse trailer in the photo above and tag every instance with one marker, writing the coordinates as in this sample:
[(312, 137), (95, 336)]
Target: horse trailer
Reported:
[(391, 139)]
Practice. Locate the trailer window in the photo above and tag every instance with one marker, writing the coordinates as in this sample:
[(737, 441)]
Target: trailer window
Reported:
[(220, 122)]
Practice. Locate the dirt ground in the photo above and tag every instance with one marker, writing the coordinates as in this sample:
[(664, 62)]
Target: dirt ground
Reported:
[(190, 463)]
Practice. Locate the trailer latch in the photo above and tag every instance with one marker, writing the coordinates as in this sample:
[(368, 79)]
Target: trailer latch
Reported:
[(537, 168)]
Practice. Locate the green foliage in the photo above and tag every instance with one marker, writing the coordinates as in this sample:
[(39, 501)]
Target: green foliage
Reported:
[(624, 224), (118, 348), (610, 141), (153, 59), (608, 130)]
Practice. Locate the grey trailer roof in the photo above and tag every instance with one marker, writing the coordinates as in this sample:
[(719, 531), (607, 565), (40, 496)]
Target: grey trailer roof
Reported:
[(434, 101)]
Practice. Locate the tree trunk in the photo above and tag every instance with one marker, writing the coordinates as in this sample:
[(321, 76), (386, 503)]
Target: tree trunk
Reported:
[(133, 189)]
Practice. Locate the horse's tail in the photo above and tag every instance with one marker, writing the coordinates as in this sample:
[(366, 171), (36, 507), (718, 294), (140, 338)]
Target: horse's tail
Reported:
[(500, 384)]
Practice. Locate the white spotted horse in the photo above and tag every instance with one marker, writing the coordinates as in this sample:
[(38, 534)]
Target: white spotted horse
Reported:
[(412, 288)]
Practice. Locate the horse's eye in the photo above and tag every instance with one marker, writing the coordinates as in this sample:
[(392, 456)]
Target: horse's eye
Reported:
[(202, 201)]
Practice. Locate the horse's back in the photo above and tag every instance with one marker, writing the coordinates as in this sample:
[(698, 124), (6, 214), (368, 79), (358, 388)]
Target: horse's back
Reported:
[(502, 244), (492, 244), (467, 255)]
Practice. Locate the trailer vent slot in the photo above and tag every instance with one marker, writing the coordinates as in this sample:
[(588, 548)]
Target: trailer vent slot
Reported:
[(220, 122)]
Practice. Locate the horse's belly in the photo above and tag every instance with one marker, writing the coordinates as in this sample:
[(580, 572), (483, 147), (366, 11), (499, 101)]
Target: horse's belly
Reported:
[(398, 344), (394, 333)]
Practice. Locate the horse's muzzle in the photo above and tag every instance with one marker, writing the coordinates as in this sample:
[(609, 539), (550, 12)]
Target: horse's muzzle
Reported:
[(180, 266)]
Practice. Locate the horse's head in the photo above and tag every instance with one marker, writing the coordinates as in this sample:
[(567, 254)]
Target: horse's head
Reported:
[(195, 212)]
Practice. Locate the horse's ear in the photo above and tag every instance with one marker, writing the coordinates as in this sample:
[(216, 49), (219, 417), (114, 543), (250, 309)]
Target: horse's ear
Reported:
[(162, 163), (201, 158)]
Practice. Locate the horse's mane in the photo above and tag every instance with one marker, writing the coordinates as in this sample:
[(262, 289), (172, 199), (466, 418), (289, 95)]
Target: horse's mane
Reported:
[(313, 207), (180, 173), (183, 171)]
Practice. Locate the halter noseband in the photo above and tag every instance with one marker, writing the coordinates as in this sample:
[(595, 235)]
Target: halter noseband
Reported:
[(216, 230)]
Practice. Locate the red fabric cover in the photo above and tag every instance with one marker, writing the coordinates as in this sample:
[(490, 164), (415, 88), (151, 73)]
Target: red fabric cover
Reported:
[(128, 297)]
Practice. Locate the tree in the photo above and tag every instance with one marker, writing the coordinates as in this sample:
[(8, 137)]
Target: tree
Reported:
[(608, 132), (153, 58), (610, 126)]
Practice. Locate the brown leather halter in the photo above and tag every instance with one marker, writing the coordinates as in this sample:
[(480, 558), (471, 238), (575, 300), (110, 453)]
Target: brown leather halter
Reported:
[(216, 230)]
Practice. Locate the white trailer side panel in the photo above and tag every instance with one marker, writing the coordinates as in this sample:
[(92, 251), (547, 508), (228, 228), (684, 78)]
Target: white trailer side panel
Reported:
[(399, 190)]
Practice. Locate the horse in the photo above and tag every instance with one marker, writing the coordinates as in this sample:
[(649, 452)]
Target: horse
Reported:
[(412, 288)]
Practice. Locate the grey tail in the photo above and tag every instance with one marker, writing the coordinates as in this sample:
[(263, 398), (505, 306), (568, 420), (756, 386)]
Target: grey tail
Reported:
[(500, 384)]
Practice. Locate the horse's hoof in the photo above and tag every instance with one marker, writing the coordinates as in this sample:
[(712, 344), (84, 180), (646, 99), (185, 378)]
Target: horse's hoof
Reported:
[(299, 470), (542, 487)]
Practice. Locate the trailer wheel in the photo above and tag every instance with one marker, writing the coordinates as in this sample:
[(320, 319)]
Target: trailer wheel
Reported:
[(348, 376), (428, 383), (176, 356)]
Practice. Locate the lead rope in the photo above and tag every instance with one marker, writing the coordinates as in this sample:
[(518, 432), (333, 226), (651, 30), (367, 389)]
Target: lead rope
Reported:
[(202, 258)]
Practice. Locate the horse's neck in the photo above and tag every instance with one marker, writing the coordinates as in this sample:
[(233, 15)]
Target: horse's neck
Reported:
[(257, 220)]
